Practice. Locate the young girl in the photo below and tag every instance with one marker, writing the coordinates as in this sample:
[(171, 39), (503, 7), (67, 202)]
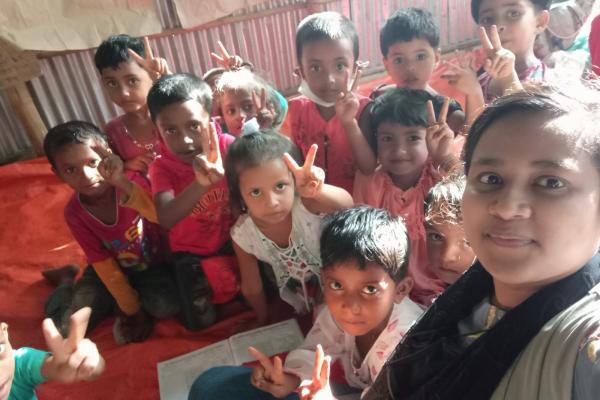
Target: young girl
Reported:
[(522, 323), (449, 252), (414, 152), (242, 95), (280, 225), (327, 112)]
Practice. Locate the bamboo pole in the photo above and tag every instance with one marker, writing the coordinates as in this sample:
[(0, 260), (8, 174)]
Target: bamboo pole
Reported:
[(25, 109)]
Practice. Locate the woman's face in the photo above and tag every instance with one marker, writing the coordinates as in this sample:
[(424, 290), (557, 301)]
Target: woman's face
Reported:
[(531, 205)]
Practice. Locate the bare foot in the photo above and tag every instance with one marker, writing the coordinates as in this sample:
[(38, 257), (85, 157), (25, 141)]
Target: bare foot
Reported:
[(61, 276)]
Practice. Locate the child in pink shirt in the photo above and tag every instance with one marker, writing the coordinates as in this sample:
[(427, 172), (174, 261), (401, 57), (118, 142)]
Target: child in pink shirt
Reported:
[(327, 113), (191, 196), (414, 152)]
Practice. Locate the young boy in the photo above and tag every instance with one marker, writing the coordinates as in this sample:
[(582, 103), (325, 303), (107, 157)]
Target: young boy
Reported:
[(449, 252), (111, 216), (191, 196), (70, 360), (127, 80), (516, 24), (328, 111), (365, 257)]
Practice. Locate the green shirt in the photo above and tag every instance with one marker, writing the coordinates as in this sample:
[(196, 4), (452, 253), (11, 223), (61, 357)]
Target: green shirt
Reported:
[(28, 373)]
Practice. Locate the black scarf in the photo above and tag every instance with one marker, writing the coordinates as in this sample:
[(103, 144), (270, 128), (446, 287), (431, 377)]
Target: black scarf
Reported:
[(432, 361)]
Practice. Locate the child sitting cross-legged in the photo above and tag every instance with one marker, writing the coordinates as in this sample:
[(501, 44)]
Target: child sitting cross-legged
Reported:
[(364, 253)]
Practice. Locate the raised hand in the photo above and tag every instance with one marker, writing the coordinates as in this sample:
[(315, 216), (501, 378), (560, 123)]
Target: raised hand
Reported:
[(347, 103), (208, 166), (226, 60), (309, 178), (111, 166), (155, 66), (73, 358), (269, 375), (500, 62), (439, 135), (462, 74), (318, 388), (140, 163), (264, 114)]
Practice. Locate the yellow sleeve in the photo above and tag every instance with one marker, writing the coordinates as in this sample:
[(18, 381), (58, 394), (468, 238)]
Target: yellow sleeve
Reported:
[(140, 201), (118, 285)]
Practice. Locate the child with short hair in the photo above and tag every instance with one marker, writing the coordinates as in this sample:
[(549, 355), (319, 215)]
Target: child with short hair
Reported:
[(328, 111), (448, 251), (191, 196), (364, 253), (415, 151), (523, 322), (71, 360), (516, 24), (127, 80), (281, 204), (112, 218)]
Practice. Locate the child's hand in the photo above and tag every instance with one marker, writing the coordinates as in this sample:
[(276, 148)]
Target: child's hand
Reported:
[(269, 376), (463, 74), (134, 328), (439, 135), (140, 163), (347, 103), (500, 62), (111, 167), (155, 66), (208, 166), (226, 60), (74, 358), (309, 178), (318, 388), (264, 114)]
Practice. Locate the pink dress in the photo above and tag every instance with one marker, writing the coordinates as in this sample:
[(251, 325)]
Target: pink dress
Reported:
[(378, 190), (126, 146), (334, 154)]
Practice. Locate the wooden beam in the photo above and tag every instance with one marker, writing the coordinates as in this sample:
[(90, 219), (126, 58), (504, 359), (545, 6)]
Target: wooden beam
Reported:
[(24, 107)]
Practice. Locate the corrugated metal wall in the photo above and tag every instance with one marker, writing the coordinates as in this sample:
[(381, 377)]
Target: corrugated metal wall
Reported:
[(69, 87)]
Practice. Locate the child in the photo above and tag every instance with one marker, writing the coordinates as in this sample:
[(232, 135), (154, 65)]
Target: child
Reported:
[(522, 323), (281, 224), (127, 81), (414, 152), (70, 360), (364, 254), (449, 253), (111, 216), (516, 23), (326, 114), (242, 96), (191, 196), (409, 42)]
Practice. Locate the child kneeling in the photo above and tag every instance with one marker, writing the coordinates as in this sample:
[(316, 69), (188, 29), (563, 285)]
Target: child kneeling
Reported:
[(365, 260)]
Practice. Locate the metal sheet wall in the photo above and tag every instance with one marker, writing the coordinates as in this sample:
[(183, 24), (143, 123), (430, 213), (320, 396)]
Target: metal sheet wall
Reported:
[(69, 87)]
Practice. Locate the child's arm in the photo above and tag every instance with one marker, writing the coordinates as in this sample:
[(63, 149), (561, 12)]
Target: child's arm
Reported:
[(252, 288), (317, 196), (155, 66), (345, 109), (440, 138), (208, 170), (74, 358)]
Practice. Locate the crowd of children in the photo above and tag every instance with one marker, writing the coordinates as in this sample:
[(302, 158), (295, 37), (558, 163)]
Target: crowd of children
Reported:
[(426, 277)]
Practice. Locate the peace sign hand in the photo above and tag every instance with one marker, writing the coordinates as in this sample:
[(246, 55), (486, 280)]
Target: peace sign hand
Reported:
[(73, 358), (208, 166), (318, 388), (309, 178), (110, 167), (439, 135), (155, 66), (269, 376), (347, 103), (228, 61), (265, 115), (500, 62), (462, 74)]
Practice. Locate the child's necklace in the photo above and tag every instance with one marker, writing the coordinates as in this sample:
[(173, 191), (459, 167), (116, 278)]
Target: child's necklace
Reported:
[(149, 146)]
